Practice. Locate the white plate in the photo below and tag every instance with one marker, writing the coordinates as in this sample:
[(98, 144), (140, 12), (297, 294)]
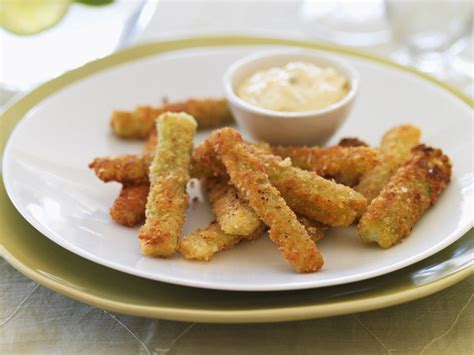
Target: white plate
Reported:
[(47, 178)]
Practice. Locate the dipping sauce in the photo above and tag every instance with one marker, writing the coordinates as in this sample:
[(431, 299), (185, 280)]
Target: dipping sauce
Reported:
[(295, 87)]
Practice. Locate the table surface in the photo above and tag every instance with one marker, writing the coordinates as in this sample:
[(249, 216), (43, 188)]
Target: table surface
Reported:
[(34, 319)]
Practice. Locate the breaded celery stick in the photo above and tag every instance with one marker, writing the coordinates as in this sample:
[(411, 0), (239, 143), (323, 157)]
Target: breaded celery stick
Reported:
[(208, 113), (395, 149), (350, 179), (248, 176), (169, 172), (345, 165), (233, 215), (129, 210), (312, 196), (205, 155), (134, 169), (410, 192), (129, 207), (204, 243), (304, 191), (196, 170), (127, 169), (238, 217)]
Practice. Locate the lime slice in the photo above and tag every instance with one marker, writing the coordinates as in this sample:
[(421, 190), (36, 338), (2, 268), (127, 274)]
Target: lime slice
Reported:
[(26, 17)]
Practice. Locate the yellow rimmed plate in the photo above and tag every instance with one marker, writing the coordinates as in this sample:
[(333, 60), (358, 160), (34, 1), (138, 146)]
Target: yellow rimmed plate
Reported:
[(93, 282)]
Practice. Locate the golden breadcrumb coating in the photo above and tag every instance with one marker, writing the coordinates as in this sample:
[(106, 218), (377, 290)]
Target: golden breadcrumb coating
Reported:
[(129, 207), (134, 169), (348, 142), (344, 164), (313, 196), (208, 113), (304, 191), (233, 215), (248, 176), (202, 244), (169, 173), (129, 210), (395, 149), (127, 169), (410, 192)]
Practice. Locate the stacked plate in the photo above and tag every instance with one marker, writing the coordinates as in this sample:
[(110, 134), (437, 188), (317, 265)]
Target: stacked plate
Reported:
[(57, 231)]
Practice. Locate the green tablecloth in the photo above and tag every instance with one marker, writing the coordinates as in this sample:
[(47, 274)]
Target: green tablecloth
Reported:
[(36, 320)]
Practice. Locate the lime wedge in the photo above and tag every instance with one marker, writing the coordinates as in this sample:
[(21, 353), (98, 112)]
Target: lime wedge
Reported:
[(26, 17)]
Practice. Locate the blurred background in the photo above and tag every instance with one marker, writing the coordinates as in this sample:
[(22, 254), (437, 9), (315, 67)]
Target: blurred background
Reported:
[(41, 39)]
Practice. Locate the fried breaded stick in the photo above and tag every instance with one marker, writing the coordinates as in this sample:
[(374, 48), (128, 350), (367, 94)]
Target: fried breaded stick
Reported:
[(304, 191), (133, 169), (330, 203), (345, 165), (129, 210), (248, 176), (129, 207), (233, 215), (313, 196), (205, 155), (127, 169), (169, 172), (208, 113), (204, 243), (409, 193), (206, 161), (395, 149), (348, 142)]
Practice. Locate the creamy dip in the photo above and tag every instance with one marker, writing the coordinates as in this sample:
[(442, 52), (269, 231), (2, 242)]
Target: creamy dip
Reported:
[(297, 86)]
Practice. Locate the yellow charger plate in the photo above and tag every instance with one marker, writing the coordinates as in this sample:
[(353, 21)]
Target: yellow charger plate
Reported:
[(47, 263)]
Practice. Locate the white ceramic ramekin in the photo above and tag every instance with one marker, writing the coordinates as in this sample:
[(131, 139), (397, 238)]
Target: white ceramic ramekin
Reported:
[(288, 128)]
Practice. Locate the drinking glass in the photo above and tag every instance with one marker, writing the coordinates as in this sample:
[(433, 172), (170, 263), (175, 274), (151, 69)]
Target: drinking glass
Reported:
[(348, 22), (429, 34)]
